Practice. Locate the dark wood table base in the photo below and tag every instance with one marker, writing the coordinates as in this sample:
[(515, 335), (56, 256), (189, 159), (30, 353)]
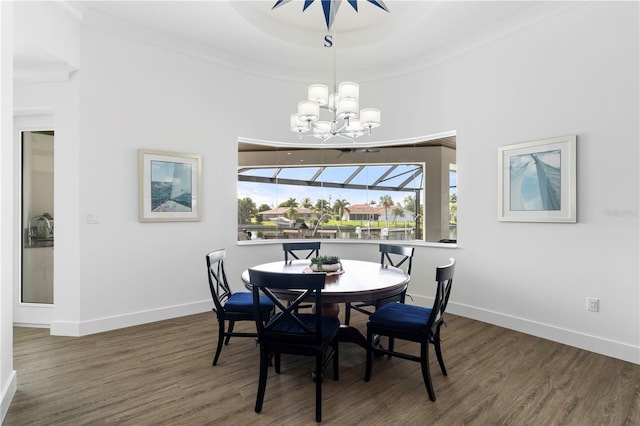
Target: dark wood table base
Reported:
[(347, 333)]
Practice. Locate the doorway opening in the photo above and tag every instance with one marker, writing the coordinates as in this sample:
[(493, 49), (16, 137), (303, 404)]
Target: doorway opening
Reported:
[(37, 220)]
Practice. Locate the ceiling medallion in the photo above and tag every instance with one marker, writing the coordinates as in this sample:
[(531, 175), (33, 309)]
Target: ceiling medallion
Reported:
[(330, 7)]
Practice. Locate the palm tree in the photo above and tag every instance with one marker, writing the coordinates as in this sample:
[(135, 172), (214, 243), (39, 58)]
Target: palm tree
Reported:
[(321, 206), (339, 206), (410, 203), (386, 201), (306, 203), (292, 212), (395, 212), (291, 202)]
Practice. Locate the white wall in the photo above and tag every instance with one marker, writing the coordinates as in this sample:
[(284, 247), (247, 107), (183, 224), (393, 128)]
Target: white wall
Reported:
[(44, 100), (558, 77), (576, 73), (8, 378)]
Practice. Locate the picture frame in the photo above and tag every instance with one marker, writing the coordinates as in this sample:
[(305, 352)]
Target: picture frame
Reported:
[(537, 181), (170, 186)]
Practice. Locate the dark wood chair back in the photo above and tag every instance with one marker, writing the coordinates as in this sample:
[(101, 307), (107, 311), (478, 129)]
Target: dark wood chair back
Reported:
[(310, 249), (218, 284), (398, 256)]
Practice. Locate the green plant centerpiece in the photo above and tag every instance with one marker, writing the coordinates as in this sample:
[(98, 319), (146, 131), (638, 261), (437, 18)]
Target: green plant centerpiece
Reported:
[(325, 264)]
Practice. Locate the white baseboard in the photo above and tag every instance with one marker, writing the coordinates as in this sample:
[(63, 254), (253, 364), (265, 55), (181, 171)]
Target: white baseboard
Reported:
[(8, 393), (584, 341), (98, 325), (30, 325), (599, 345)]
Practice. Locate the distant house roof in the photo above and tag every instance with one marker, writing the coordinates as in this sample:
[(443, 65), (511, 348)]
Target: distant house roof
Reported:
[(364, 209)]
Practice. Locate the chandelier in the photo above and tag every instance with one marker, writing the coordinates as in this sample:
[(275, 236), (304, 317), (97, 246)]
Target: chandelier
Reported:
[(341, 109), (324, 114)]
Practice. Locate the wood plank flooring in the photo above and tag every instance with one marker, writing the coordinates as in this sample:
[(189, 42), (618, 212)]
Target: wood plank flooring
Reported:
[(161, 374)]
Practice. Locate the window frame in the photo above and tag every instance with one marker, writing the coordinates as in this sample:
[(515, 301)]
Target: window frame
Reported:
[(282, 156)]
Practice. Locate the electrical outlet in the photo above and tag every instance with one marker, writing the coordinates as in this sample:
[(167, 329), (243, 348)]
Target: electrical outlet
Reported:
[(593, 304), (92, 218)]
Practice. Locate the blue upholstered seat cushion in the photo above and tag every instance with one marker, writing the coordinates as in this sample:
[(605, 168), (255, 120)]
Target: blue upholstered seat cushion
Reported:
[(401, 316), (243, 302), (329, 325)]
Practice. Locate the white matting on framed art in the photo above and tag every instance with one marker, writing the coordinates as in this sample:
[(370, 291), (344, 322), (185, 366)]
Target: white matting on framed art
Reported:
[(537, 181), (170, 186)]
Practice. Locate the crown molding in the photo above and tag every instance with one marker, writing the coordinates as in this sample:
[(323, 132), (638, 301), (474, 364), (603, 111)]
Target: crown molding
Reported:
[(50, 72)]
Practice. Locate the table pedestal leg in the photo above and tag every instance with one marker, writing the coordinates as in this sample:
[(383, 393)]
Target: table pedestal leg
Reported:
[(329, 309), (347, 333)]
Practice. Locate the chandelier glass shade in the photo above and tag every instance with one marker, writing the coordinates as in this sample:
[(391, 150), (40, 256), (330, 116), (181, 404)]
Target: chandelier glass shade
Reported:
[(343, 116)]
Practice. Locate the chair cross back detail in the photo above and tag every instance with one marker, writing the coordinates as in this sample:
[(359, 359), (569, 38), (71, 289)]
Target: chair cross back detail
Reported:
[(396, 256), (444, 279), (218, 284), (312, 249), (310, 286), (402, 255)]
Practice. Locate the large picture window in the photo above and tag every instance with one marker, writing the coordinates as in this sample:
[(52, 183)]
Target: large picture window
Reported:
[(400, 192)]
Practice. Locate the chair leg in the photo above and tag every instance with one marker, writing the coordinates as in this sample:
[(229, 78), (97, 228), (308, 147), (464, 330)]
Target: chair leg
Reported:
[(231, 324), (336, 363), (347, 313), (426, 375), (220, 341), (367, 369), (262, 381), (277, 363), (319, 362), (436, 344)]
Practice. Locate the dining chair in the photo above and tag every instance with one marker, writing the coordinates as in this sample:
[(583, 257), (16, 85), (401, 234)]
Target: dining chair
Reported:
[(292, 332), (415, 324), (392, 255), (311, 248), (228, 306)]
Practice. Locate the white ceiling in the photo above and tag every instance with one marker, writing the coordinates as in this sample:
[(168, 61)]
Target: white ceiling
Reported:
[(288, 43)]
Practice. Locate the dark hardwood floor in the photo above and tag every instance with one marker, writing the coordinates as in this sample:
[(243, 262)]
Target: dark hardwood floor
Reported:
[(161, 374)]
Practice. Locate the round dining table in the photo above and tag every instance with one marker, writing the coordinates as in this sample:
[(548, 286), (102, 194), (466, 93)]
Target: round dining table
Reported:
[(357, 281)]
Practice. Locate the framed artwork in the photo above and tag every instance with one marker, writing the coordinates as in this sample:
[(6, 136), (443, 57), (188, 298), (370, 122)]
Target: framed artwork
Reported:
[(537, 181), (170, 186)]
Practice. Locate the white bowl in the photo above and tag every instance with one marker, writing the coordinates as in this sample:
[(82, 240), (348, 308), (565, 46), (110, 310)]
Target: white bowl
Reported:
[(326, 268)]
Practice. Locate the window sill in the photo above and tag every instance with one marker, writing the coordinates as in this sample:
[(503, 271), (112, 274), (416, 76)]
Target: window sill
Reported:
[(411, 243)]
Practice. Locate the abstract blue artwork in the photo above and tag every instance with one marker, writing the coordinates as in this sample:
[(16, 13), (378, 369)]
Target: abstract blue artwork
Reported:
[(537, 181)]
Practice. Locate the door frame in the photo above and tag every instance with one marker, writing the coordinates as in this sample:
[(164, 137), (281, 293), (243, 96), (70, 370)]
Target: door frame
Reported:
[(27, 314)]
